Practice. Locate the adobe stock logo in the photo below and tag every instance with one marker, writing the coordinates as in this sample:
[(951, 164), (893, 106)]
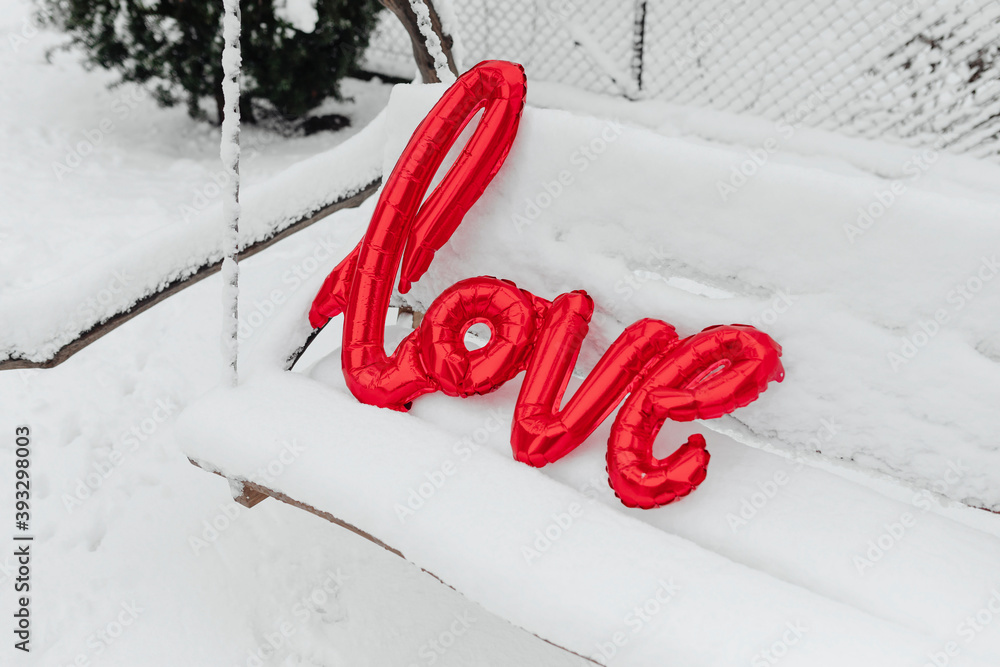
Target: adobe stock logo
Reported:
[(703, 376)]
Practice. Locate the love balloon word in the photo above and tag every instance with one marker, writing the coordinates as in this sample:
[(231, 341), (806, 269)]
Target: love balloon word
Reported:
[(703, 376)]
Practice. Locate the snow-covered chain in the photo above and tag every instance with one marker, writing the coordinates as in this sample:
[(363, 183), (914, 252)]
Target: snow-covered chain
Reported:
[(230, 152), (433, 42)]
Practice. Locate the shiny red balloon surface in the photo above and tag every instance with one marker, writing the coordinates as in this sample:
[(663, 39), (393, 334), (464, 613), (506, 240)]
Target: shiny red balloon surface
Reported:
[(663, 377)]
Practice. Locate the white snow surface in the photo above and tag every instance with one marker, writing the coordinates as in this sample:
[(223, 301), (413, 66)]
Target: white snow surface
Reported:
[(766, 541), (480, 527), (125, 529), (129, 272), (125, 526), (138, 210), (873, 577), (889, 336), (300, 13)]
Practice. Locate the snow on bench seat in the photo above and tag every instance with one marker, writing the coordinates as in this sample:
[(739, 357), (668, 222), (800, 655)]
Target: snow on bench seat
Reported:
[(806, 526), (764, 542), (319, 446), (638, 220)]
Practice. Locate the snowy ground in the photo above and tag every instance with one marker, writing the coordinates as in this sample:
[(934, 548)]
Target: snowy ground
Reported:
[(127, 528)]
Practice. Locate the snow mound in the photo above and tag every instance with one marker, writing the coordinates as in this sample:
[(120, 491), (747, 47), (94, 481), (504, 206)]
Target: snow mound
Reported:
[(885, 314), (530, 549), (785, 557)]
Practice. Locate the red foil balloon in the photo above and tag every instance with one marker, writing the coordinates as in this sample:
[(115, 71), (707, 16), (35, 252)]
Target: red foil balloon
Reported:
[(511, 317), (704, 377), (701, 377), (365, 277), (498, 88), (542, 433)]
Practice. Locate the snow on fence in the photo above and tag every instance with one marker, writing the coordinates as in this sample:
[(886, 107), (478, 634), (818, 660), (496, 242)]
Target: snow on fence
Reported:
[(920, 72)]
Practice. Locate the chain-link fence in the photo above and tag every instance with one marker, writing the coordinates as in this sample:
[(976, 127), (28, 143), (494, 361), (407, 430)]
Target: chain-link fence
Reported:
[(914, 71)]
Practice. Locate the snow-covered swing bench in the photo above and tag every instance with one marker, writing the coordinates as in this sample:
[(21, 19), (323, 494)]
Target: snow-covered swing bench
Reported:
[(552, 550)]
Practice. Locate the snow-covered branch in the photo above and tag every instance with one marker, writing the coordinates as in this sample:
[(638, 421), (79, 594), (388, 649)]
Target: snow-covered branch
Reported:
[(431, 44)]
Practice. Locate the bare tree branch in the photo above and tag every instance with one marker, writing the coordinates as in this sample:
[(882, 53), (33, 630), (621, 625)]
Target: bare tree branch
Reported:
[(425, 61)]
